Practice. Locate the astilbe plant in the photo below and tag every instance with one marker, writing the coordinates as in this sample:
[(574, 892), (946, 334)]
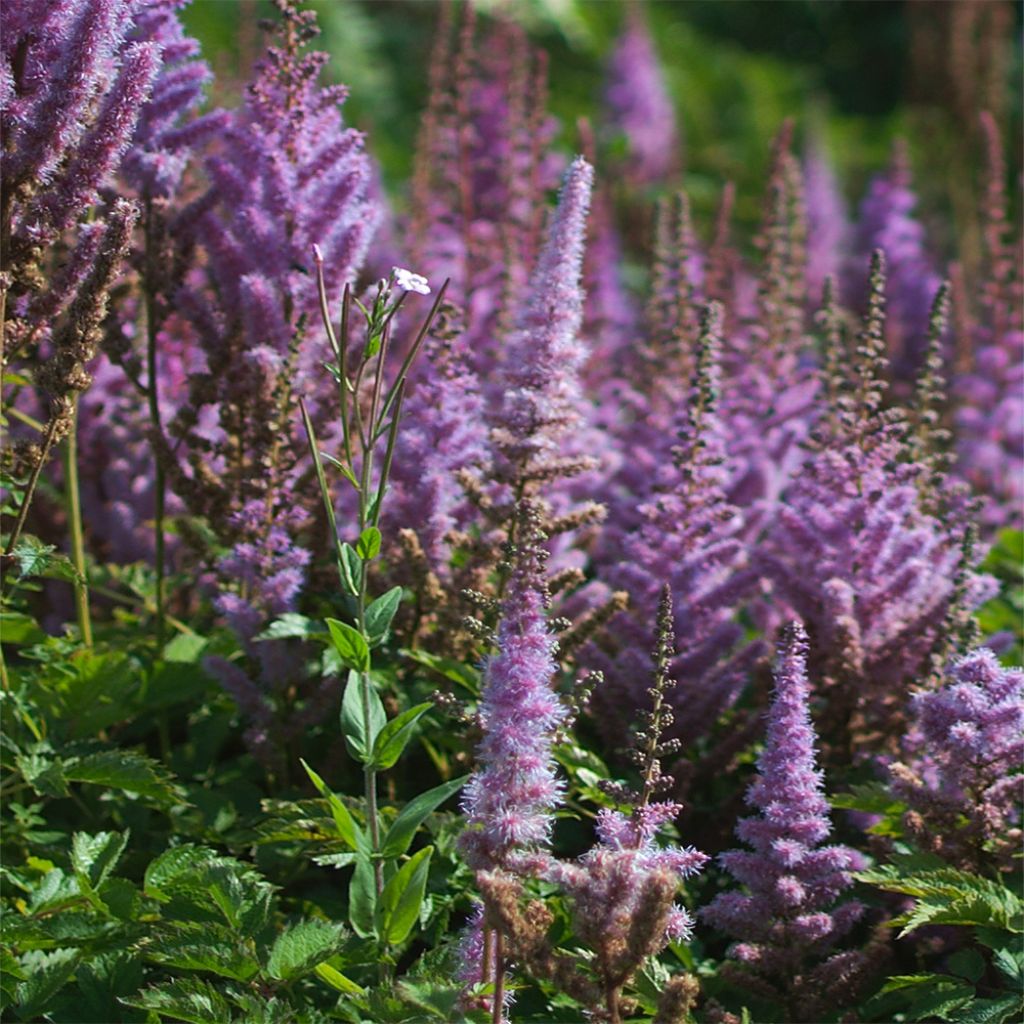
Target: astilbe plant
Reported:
[(481, 172), (858, 551), (640, 118), (71, 92), (688, 534), (786, 919), (828, 226), (989, 416), (961, 775), (886, 221)]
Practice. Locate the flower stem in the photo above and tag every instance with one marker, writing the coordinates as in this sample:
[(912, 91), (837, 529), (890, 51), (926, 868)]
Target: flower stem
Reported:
[(74, 513)]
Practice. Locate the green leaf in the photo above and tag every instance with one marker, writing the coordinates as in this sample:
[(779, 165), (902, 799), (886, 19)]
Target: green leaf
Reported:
[(404, 827), (342, 469), (187, 999), (351, 569), (173, 864), (348, 831), (399, 904), (34, 558), (353, 727), (47, 975), (368, 545), (1010, 965), (291, 626), (990, 1011), (350, 645), (392, 739), (465, 675), (17, 628), (299, 949), (127, 770), (185, 648), (206, 947), (967, 963), (337, 980), (94, 857), (362, 897), (380, 613)]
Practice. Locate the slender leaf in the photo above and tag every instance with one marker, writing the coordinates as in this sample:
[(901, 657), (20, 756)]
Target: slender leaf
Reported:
[(353, 726), (380, 613), (400, 835), (399, 904), (362, 898), (396, 734), (350, 645), (348, 831)]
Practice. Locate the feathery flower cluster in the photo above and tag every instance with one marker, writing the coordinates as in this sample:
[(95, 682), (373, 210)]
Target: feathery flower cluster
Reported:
[(964, 787), (989, 389), (785, 919), (639, 112), (690, 536), (886, 221), (858, 555), (508, 802)]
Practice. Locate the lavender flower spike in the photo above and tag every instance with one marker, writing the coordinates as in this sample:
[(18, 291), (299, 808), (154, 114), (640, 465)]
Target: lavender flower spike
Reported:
[(783, 919), (509, 800), (543, 400)]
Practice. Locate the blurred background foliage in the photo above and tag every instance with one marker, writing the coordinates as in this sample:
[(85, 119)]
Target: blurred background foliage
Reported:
[(854, 75)]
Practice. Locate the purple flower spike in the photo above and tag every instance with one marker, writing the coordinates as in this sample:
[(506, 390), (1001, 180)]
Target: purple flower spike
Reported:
[(509, 800), (783, 919), (639, 107)]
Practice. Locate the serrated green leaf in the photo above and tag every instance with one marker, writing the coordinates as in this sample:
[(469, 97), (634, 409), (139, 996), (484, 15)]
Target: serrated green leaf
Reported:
[(391, 741), (362, 897), (186, 999), (348, 831), (127, 770), (380, 613), (351, 569), (350, 645), (399, 905), (43, 773), (337, 980), (368, 545), (94, 857), (353, 727), (47, 973), (400, 835), (175, 863), (1011, 965), (299, 949), (204, 948), (999, 1010)]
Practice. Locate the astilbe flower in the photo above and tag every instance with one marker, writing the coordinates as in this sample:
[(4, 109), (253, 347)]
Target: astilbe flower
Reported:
[(441, 436), (638, 107), (859, 552), (962, 774), (509, 800), (886, 221), (988, 389), (481, 172), (786, 918), (71, 90), (828, 227), (287, 175), (768, 404), (690, 536)]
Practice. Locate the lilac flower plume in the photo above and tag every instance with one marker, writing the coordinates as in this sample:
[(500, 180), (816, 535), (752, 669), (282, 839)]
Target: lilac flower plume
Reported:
[(786, 915), (509, 800), (639, 109), (989, 391), (886, 221), (964, 783), (542, 401)]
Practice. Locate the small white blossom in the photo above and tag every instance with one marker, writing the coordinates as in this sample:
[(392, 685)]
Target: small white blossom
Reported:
[(409, 281)]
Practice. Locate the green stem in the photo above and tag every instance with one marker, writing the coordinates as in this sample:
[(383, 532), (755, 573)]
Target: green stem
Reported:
[(74, 511), (153, 398)]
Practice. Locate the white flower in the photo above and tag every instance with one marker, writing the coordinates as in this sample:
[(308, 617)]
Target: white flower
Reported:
[(409, 281)]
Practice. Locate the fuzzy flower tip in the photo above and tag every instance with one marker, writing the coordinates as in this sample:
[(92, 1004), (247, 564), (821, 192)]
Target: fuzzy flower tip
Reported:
[(791, 880)]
